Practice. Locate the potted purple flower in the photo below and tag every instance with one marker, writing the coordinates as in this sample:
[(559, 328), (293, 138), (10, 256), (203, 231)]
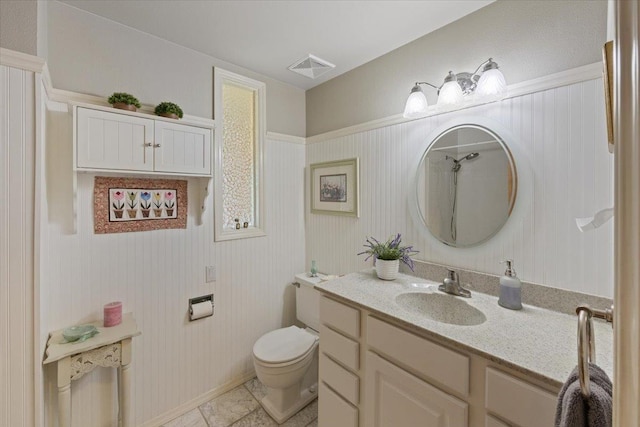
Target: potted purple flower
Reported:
[(387, 256), (145, 205)]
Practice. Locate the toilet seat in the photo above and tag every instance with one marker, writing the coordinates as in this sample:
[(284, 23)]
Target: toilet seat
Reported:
[(284, 346)]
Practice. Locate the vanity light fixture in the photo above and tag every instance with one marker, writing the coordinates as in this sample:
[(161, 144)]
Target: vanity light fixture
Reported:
[(487, 85)]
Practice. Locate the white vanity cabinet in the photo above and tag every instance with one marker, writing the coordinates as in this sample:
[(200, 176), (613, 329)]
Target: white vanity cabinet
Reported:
[(402, 371), (339, 378), (135, 142), (375, 372), (396, 398), (517, 401)]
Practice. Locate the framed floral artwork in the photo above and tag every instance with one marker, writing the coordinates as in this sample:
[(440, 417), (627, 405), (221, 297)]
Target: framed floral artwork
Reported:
[(123, 205), (335, 187)]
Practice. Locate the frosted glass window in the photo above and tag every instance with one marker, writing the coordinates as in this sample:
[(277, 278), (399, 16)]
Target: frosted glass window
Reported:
[(238, 156), (240, 114)]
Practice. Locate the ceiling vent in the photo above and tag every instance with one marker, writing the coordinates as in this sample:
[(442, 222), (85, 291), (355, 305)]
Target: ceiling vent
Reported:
[(311, 66)]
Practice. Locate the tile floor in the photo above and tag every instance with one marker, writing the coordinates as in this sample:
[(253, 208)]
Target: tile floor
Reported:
[(240, 408)]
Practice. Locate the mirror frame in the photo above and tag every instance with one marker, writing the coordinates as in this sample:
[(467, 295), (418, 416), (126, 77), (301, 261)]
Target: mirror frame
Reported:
[(523, 193), (512, 165)]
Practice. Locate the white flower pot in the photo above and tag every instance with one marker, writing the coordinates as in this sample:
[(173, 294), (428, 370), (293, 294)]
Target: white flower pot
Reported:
[(387, 270)]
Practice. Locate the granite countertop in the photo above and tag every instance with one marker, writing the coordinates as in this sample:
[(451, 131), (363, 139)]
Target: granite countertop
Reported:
[(535, 341)]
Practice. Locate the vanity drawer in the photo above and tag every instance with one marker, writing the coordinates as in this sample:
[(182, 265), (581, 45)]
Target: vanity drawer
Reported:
[(339, 379), (340, 317), (333, 410), (519, 402), (339, 347), (432, 361)]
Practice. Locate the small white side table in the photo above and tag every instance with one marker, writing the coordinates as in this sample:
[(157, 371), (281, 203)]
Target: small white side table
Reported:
[(111, 348)]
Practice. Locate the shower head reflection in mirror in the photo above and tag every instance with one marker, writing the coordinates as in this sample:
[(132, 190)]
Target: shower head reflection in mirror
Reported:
[(456, 163), (468, 178), (454, 188)]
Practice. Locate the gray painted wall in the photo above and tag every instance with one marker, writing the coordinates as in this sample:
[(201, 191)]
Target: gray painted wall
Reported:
[(528, 39), (18, 25), (93, 55)]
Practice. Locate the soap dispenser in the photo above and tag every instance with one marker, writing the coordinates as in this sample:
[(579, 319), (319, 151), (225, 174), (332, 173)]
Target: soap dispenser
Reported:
[(510, 288)]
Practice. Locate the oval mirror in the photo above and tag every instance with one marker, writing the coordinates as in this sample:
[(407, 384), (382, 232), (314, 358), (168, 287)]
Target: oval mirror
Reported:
[(466, 185)]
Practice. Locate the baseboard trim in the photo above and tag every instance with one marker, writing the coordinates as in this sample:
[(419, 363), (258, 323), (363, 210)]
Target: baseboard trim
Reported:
[(194, 403)]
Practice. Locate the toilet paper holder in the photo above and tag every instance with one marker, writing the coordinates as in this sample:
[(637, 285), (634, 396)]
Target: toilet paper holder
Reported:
[(200, 300)]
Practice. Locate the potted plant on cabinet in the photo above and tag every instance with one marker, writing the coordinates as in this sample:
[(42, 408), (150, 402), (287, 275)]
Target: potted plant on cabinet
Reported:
[(387, 256), (169, 109), (124, 101)]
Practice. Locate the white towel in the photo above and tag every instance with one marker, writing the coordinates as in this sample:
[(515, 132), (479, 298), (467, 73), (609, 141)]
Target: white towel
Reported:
[(575, 410)]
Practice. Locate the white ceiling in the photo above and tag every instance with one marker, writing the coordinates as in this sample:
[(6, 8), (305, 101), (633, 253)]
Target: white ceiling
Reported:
[(268, 36)]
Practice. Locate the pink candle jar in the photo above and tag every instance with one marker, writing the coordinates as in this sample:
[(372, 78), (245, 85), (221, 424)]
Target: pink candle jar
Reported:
[(112, 314)]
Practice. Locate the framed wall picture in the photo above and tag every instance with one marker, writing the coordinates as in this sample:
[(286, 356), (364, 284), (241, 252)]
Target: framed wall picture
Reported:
[(335, 187)]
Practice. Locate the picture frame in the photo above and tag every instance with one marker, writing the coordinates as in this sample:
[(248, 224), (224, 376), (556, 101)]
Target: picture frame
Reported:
[(335, 187), (607, 78)]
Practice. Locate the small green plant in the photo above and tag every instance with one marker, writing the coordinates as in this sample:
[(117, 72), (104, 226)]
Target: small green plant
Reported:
[(168, 108), (389, 250), (125, 98)]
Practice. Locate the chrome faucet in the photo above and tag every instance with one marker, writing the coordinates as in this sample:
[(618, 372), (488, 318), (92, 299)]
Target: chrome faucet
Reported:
[(451, 285)]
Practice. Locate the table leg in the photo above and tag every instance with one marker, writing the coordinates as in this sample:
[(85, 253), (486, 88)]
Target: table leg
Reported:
[(124, 385), (64, 392)]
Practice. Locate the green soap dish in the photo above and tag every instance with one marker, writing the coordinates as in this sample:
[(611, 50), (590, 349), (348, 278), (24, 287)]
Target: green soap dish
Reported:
[(79, 333)]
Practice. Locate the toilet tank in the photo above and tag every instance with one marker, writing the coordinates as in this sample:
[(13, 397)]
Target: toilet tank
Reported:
[(308, 301)]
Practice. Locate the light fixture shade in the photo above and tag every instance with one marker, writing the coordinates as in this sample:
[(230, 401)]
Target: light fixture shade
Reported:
[(491, 84), (416, 105), (450, 94)]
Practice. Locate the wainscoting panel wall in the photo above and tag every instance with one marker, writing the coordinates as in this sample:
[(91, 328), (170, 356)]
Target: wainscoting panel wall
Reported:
[(17, 181), (154, 273), (562, 134)]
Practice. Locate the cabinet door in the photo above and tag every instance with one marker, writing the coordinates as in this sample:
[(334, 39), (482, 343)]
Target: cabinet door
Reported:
[(113, 141), (395, 398), (182, 149), (517, 401)]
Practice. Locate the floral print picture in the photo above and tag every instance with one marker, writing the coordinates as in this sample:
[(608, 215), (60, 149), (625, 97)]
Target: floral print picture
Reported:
[(138, 204), (132, 204), (333, 188)]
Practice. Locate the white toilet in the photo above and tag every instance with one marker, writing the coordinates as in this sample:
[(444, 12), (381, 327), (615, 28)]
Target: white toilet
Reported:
[(286, 360)]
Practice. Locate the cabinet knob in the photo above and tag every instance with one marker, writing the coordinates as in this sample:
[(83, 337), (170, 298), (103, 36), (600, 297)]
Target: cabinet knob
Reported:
[(148, 144), (156, 145)]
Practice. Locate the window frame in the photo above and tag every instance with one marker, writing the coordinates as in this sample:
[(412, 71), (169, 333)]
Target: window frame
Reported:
[(222, 77)]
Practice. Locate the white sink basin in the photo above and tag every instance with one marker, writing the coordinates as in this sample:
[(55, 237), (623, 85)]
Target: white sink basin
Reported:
[(441, 308)]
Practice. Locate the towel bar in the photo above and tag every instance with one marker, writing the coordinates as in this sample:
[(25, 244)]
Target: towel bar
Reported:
[(587, 343)]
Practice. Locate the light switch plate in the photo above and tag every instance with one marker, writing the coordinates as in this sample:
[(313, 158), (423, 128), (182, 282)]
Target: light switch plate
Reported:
[(211, 273)]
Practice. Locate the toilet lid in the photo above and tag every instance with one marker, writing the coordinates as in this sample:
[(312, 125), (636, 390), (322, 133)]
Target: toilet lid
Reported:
[(283, 345)]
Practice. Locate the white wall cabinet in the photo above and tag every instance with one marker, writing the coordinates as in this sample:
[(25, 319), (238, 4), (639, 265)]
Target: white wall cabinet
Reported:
[(110, 141), (376, 373), (182, 149)]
